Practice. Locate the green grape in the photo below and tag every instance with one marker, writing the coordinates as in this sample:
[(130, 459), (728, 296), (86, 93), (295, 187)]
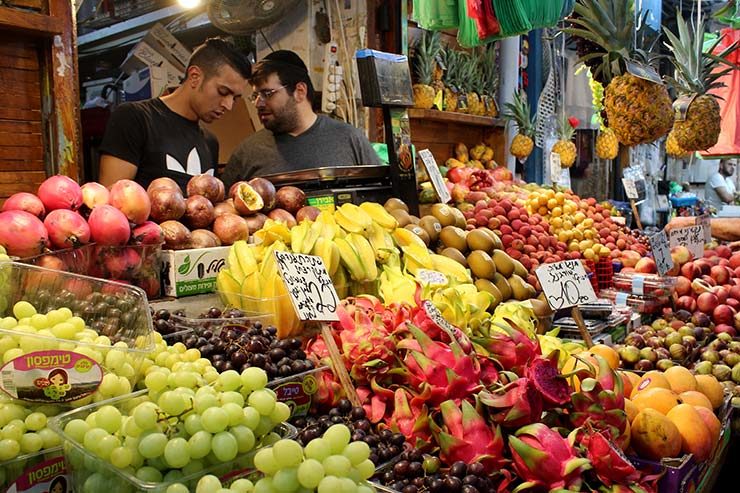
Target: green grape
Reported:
[(225, 446), (35, 421), (130, 427), (194, 466), (156, 381), (149, 474), (200, 444), (8, 323), (193, 424), (346, 485), (363, 488), (121, 457), (365, 468), (264, 485), (95, 483), (262, 401), (50, 438), (280, 413), (286, 479), (310, 473), (234, 412), (264, 460), (357, 452), (242, 485), (13, 431), (251, 418), (172, 476), (145, 416), (152, 445), (244, 438), (31, 442), (254, 378), (109, 418), (288, 453), (106, 445), (23, 309), (318, 449), (9, 449), (329, 484), (172, 403), (93, 437), (232, 397), (77, 429), (264, 427), (177, 453), (337, 465), (186, 379), (338, 437), (39, 321), (204, 401), (229, 380), (177, 488), (214, 420), (208, 484)]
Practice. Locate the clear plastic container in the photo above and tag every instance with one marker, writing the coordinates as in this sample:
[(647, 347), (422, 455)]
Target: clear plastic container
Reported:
[(34, 472), (297, 391), (600, 308), (641, 304), (140, 265), (74, 260), (91, 473), (277, 311), (51, 367), (644, 284)]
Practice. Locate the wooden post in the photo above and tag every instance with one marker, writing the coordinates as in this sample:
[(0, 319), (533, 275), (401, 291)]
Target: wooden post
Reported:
[(576, 313), (339, 370)]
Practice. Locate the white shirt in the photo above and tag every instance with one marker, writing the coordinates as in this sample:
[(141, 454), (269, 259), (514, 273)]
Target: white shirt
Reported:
[(715, 181)]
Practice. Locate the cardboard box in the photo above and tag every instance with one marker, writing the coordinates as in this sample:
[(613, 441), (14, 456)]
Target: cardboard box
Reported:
[(147, 83), (144, 55), (190, 272), (160, 38)]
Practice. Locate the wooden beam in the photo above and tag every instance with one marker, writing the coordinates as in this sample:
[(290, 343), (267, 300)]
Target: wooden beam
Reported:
[(30, 22)]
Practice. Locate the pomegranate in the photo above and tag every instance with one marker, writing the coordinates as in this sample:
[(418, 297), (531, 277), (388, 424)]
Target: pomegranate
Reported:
[(266, 190), (203, 238), (283, 216), (122, 263), (148, 233), (22, 234), (720, 328), (130, 198), (24, 201), (60, 192), (50, 262), (163, 182), (208, 186), (290, 198), (256, 221), (224, 207), (109, 226), (94, 194), (151, 285), (176, 235), (198, 212), (67, 229), (167, 205), (308, 212), (230, 228)]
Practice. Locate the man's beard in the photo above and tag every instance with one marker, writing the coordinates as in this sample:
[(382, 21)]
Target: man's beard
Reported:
[(285, 120)]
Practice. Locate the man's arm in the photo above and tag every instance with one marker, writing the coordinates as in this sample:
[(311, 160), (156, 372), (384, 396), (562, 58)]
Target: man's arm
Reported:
[(724, 194), (113, 169), (364, 152)]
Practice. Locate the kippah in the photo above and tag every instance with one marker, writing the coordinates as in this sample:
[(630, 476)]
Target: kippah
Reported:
[(286, 57)]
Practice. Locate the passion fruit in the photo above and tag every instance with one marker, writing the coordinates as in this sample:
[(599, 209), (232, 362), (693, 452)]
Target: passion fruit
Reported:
[(246, 200)]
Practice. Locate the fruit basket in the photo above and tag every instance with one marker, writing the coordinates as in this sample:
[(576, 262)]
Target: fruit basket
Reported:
[(33, 472), (641, 304), (89, 472), (68, 336), (644, 284)]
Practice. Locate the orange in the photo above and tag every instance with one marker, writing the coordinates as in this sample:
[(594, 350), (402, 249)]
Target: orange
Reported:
[(710, 387), (608, 353), (649, 380), (662, 400), (695, 399), (680, 379)]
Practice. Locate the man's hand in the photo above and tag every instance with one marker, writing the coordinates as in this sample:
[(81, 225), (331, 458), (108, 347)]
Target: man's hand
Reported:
[(113, 169)]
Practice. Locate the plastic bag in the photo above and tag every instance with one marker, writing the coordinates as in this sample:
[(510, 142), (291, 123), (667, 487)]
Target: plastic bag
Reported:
[(467, 32), (511, 16), (437, 14), (729, 137)]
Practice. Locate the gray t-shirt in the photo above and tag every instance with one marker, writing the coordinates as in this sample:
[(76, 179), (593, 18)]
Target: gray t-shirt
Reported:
[(326, 143)]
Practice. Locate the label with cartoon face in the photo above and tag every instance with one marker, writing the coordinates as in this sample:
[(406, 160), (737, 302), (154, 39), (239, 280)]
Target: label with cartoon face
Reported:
[(50, 376), (46, 477)]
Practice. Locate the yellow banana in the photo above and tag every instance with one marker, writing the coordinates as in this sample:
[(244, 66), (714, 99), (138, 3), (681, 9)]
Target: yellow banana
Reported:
[(403, 238), (382, 243), (451, 268), (379, 215), (353, 219), (329, 252), (350, 259), (366, 254)]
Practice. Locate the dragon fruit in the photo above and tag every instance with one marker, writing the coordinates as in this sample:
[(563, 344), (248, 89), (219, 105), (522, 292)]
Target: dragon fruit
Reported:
[(511, 347), (513, 405), (545, 460), (410, 418), (546, 378), (465, 436)]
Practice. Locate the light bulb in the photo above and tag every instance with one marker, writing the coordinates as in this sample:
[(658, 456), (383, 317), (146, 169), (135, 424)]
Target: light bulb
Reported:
[(189, 4)]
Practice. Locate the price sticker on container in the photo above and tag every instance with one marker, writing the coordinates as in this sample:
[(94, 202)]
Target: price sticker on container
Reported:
[(706, 223), (691, 237), (556, 167), (630, 189), (438, 181), (309, 286), (661, 252), (565, 284)]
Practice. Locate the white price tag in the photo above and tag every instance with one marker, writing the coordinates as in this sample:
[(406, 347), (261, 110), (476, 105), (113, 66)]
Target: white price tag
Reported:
[(436, 316), (438, 181), (630, 189), (706, 223), (556, 167), (565, 284), (309, 286), (620, 220), (691, 237), (661, 252), (431, 277)]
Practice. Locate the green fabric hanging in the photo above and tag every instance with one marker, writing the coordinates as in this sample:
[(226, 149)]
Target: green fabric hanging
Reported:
[(467, 31), (512, 17), (436, 14), (542, 13)]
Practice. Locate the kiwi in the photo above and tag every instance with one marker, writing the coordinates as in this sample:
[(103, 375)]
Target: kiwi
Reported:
[(444, 215), (455, 255), (479, 240), (481, 264), (460, 220), (496, 240), (393, 204), (519, 269), (504, 263), (431, 226), (418, 231), (489, 287), (414, 219), (450, 236), (401, 216)]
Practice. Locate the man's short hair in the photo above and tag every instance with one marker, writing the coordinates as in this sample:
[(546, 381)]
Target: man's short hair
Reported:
[(217, 52), (289, 68)]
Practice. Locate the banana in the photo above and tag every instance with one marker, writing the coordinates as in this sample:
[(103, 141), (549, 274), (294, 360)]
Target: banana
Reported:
[(366, 254), (379, 215), (403, 238), (350, 259), (353, 219), (451, 268), (382, 243), (329, 252)]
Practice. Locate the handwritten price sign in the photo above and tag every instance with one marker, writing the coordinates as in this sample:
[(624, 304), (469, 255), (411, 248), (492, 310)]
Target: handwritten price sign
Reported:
[(565, 284), (705, 223), (691, 237), (309, 285), (435, 176), (661, 252), (630, 189)]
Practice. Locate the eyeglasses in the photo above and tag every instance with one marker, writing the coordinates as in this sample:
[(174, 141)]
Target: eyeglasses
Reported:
[(264, 94)]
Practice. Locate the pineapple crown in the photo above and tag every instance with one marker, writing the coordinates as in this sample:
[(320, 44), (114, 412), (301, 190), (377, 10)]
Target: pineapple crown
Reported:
[(610, 24), (490, 69), (520, 111), (567, 127), (426, 50), (696, 70), (451, 59)]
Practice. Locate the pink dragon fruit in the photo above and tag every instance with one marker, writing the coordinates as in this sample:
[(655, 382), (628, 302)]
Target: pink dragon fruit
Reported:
[(543, 373), (545, 460), (512, 348), (465, 436), (410, 418), (513, 405)]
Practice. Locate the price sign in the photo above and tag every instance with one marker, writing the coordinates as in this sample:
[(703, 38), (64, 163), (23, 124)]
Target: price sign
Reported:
[(630, 189), (436, 316), (431, 277), (438, 181), (705, 222), (620, 220), (565, 284), (556, 167), (691, 237), (309, 286), (661, 252)]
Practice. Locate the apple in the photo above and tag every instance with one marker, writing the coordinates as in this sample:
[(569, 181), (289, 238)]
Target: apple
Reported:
[(707, 302), (646, 265), (723, 251), (735, 260), (690, 271), (683, 286)]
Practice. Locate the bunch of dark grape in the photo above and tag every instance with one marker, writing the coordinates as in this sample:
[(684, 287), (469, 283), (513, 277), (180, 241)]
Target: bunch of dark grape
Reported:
[(416, 472), (168, 322), (384, 444)]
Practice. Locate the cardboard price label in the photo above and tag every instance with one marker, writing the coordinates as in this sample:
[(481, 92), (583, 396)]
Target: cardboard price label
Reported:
[(661, 252), (643, 72), (706, 223), (565, 284), (309, 286), (630, 189), (438, 181), (556, 167), (691, 237)]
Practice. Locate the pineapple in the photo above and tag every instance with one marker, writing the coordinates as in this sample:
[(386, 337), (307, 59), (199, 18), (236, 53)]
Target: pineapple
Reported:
[(672, 147), (565, 146), (476, 87), (638, 110), (607, 145), (519, 111), (450, 78), (490, 81), (426, 51), (696, 74)]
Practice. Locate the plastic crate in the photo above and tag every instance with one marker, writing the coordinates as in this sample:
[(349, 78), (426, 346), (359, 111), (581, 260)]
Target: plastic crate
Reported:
[(605, 273), (91, 473), (109, 309), (34, 472)]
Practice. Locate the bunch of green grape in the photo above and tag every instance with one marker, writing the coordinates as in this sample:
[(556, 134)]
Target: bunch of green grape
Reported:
[(5, 284)]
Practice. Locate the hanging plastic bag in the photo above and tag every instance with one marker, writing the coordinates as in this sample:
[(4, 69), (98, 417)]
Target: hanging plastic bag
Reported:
[(467, 32), (511, 16), (437, 14), (729, 137)]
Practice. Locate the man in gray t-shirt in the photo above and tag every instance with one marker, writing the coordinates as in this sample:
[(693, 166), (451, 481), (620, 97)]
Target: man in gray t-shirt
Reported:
[(294, 137)]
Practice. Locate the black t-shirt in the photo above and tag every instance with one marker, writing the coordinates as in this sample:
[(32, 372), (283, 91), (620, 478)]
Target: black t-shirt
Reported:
[(159, 142)]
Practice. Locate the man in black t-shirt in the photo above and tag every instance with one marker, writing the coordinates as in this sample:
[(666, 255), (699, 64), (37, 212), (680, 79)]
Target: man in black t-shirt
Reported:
[(160, 137)]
